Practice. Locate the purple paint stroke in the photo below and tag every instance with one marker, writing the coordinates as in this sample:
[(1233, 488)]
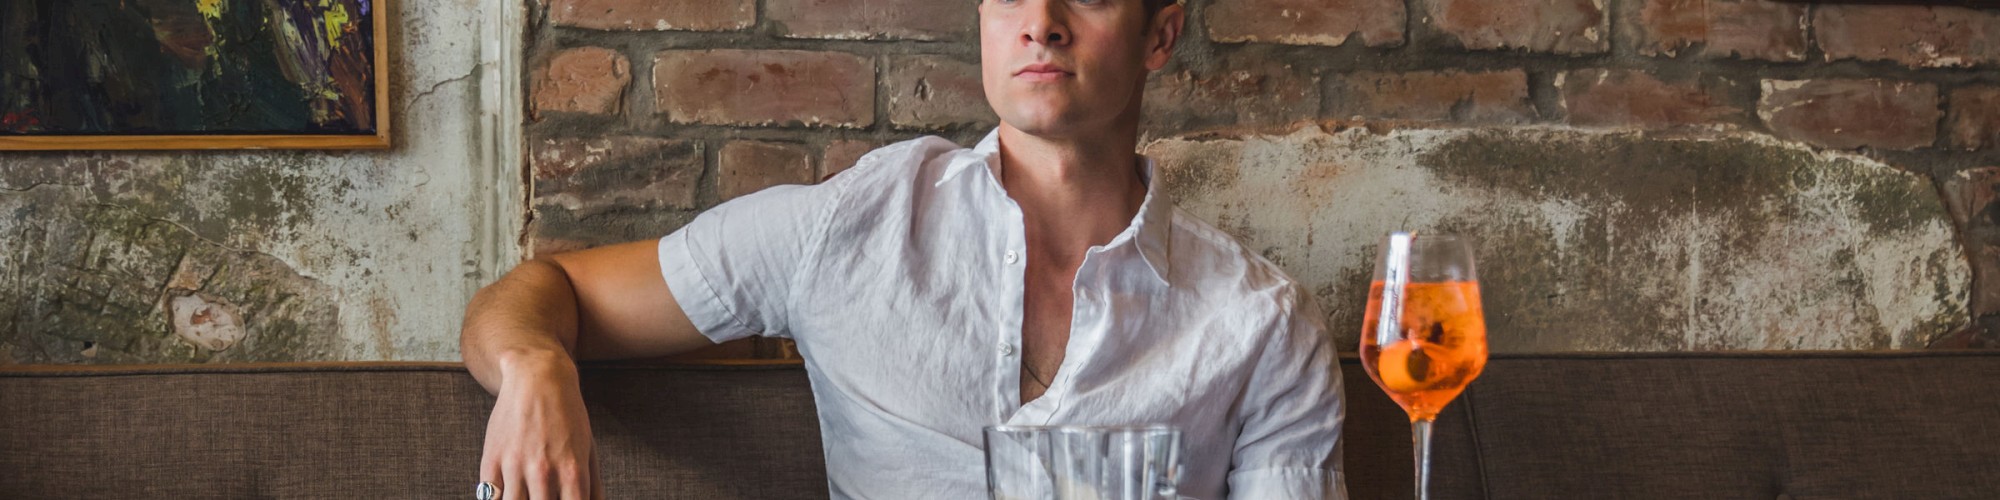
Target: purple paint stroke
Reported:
[(365, 8), (303, 63), (312, 32)]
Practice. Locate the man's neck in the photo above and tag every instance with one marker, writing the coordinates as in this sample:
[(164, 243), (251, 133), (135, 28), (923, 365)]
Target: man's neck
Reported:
[(1073, 192)]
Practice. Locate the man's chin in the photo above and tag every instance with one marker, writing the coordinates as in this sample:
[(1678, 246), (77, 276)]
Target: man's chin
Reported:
[(1044, 124)]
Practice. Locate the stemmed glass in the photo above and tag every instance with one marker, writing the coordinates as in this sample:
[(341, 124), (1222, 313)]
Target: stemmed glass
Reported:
[(1424, 336)]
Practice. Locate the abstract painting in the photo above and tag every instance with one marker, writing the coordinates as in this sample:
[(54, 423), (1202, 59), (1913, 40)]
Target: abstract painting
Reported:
[(192, 74)]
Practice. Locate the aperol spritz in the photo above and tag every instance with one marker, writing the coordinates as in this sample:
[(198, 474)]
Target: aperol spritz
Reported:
[(1424, 334)]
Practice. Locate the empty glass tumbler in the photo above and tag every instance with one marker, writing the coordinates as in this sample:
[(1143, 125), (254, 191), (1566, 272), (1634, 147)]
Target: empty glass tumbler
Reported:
[(1083, 463)]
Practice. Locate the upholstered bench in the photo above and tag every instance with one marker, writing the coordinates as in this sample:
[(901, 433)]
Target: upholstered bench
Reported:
[(1749, 425)]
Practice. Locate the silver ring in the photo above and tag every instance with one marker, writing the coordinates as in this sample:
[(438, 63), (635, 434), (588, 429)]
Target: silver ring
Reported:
[(486, 491)]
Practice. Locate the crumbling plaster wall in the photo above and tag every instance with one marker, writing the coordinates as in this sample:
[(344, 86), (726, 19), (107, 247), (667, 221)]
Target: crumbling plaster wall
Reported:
[(1601, 240), (177, 256)]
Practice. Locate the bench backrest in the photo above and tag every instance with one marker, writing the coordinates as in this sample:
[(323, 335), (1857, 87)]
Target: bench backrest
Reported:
[(1806, 425)]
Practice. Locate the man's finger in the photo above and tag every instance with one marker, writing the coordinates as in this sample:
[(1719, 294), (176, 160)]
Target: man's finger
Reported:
[(489, 468), (575, 484), (596, 477), (514, 489), (541, 483)]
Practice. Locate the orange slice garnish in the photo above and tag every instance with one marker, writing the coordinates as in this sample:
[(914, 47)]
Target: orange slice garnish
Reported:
[(1395, 367)]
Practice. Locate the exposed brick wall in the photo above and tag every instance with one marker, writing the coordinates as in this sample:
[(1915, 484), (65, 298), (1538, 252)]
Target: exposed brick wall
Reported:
[(581, 80), (740, 94), (1749, 29), (1481, 97), (711, 15), (1843, 113)]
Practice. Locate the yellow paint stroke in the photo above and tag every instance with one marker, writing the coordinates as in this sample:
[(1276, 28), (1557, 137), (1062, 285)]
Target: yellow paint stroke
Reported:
[(211, 9), (336, 24)]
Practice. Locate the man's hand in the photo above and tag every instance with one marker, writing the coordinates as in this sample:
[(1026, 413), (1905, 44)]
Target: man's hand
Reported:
[(538, 442)]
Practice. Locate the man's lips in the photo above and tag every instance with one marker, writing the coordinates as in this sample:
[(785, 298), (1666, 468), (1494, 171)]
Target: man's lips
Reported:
[(1042, 73)]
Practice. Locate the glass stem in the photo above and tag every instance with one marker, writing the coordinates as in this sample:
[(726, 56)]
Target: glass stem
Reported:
[(1420, 440)]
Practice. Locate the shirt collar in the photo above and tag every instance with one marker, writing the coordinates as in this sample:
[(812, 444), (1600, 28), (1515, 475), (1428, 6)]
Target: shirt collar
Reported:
[(1155, 222), (1152, 228), (985, 154)]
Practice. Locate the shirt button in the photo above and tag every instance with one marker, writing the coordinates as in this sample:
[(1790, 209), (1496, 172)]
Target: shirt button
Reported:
[(1012, 257), (1006, 349)]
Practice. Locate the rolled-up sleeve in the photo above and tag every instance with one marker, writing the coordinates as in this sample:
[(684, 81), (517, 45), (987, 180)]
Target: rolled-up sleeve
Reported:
[(1289, 446), (733, 268)]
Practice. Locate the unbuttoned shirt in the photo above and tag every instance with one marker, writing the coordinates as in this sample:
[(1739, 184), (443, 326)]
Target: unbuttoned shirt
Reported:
[(901, 282)]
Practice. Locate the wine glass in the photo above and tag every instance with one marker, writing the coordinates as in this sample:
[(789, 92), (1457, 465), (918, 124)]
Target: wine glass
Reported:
[(1424, 336)]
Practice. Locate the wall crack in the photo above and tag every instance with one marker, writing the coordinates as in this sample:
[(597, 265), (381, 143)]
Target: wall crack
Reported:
[(32, 187), (439, 85)]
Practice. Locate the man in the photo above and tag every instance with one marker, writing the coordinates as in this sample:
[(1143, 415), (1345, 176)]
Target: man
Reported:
[(1038, 278)]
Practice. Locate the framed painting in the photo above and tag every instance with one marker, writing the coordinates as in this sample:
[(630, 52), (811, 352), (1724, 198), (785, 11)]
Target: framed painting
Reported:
[(193, 74)]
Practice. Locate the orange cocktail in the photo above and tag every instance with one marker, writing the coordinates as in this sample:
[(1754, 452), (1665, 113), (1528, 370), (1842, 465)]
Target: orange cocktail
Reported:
[(1442, 345), (1425, 335)]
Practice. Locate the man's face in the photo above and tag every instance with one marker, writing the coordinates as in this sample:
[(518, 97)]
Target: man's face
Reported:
[(1063, 68)]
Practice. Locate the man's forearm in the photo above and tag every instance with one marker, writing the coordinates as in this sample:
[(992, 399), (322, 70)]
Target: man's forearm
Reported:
[(525, 322)]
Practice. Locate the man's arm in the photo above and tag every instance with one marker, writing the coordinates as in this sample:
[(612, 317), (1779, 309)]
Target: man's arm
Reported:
[(522, 336), (601, 303), (732, 267)]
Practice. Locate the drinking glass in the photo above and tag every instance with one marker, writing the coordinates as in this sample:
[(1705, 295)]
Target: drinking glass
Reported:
[(1424, 335), (1083, 463)]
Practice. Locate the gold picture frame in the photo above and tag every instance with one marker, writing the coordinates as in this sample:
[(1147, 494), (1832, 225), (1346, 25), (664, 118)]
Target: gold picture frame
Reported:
[(377, 136)]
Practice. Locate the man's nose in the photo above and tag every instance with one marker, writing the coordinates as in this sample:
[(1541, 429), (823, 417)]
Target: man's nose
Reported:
[(1047, 24)]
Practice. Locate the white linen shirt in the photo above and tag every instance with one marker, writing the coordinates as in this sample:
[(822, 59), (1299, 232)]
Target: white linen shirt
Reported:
[(901, 282)]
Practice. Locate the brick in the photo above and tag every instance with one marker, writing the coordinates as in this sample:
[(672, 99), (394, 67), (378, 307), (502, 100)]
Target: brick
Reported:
[(765, 87), (1970, 195), (1555, 26), (543, 246), (1845, 114), (1748, 29), (1480, 97), (932, 92), (748, 166), (595, 175), (1984, 333), (1975, 117), (1237, 94), (1626, 98), (1378, 23), (841, 155), (874, 19), (581, 80), (1916, 36), (641, 15)]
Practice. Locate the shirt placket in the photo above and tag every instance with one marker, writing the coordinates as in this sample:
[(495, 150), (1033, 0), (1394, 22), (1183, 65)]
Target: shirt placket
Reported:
[(1013, 287), (1086, 294)]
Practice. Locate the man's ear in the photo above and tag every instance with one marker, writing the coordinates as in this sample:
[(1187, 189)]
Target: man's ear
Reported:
[(1162, 34)]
